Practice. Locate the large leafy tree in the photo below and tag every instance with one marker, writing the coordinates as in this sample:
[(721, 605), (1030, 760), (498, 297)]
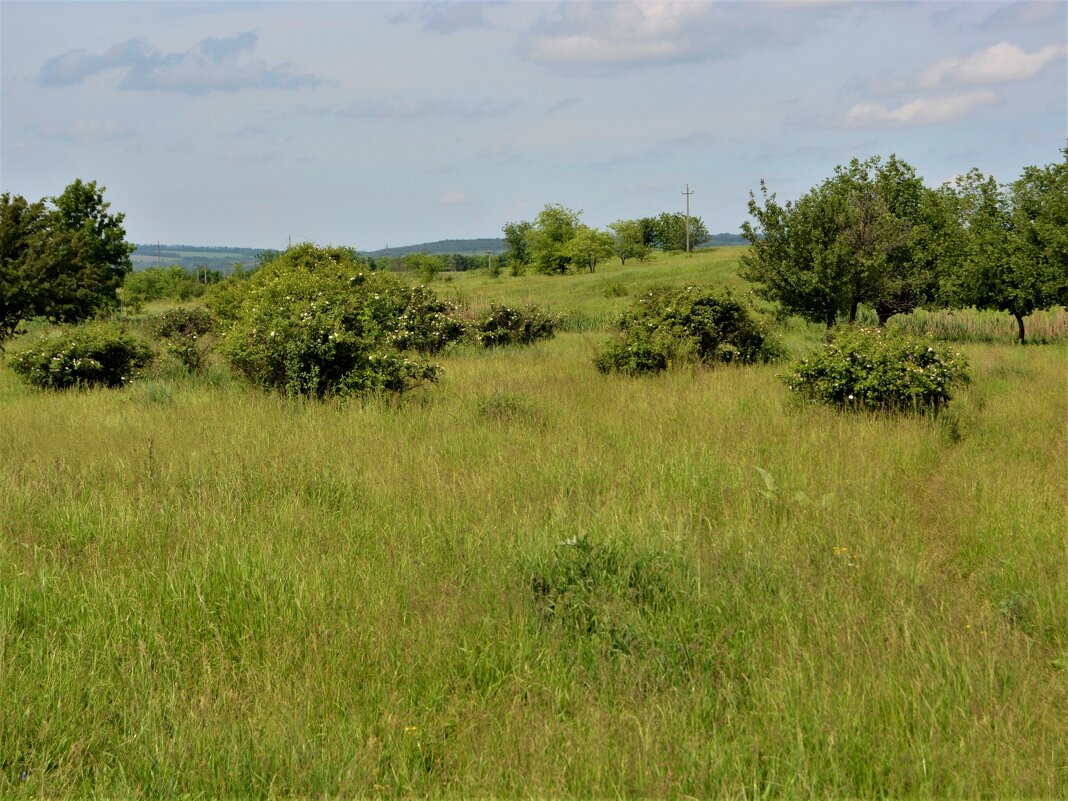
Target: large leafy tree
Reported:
[(1014, 253), (63, 261), (549, 238), (867, 235), (23, 232)]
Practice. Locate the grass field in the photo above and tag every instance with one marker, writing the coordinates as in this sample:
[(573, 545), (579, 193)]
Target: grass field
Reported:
[(535, 580)]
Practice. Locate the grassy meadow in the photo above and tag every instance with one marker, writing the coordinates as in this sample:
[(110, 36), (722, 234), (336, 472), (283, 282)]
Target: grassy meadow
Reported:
[(534, 580)]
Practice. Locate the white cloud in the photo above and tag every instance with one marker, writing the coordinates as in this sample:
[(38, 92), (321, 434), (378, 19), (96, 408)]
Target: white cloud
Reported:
[(921, 111), (211, 65), (603, 35), (453, 198), (1002, 63)]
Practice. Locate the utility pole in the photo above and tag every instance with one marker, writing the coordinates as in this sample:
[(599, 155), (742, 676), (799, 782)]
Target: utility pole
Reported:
[(687, 193)]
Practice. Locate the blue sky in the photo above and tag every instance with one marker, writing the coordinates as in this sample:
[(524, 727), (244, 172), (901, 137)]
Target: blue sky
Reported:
[(367, 124)]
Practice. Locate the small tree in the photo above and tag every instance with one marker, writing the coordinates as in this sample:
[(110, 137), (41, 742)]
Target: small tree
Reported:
[(589, 246), (517, 249), (628, 240), (549, 237)]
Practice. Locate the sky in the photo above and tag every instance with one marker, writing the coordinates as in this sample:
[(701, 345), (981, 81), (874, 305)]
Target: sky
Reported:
[(371, 124)]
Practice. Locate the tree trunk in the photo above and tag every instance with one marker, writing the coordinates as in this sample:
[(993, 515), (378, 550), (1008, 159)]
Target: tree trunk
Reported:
[(853, 312), (1020, 326), (884, 315)]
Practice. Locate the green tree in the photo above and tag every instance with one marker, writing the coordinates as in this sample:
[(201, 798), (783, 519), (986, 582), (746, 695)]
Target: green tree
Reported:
[(515, 240), (589, 246), (1015, 245), (65, 263), (23, 231), (870, 234), (628, 240), (549, 237), (796, 256), (669, 231)]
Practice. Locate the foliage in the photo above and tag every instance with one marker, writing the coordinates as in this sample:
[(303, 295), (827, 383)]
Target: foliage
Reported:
[(98, 353), (160, 283), (64, 263), (313, 322), (506, 325), (549, 238), (603, 590), (181, 331), (694, 323), (516, 237), (628, 240), (589, 246), (1015, 243), (871, 369), (872, 233), (667, 231)]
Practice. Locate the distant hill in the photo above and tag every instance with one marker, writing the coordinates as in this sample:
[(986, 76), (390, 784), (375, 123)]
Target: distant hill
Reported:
[(719, 240), (222, 259), (464, 247)]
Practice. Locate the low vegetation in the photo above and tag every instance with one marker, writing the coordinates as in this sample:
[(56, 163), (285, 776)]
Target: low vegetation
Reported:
[(690, 324), (93, 354), (505, 573), (867, 369)]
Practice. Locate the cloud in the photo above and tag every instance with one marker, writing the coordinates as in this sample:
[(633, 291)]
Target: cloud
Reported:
[(454, 198), (1026, 14), (921, 111), (396, 108), (211, 65), (445, 18), (1002, 63), (600, 36)]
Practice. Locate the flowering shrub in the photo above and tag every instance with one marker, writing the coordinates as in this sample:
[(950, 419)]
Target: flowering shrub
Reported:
[(87, 355), (327, 326), (690, 324), (180, 331), (871, 369), (504, 325)]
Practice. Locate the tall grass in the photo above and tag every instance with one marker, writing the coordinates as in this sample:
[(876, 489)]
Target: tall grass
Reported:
[(536, 580)]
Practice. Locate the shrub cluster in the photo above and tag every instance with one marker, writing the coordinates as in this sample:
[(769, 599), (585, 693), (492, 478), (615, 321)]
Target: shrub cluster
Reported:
[(180, 331), (315, 322), (99, 353), (694, 323), (875, 370), (505, 325)]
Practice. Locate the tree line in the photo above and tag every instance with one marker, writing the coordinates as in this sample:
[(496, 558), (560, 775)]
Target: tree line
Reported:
[(875, 234), (557, 242)]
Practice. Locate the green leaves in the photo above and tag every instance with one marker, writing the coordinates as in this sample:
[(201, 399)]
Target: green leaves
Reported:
[(868, 369)]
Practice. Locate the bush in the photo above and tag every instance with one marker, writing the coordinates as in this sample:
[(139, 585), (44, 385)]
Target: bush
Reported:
[(692, 324), (611, 592), (504, 325), (180, 331), (315, 322), (101, 353), (874, 370)]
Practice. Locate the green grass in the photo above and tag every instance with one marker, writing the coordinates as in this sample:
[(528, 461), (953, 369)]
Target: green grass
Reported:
[(535, 580)]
